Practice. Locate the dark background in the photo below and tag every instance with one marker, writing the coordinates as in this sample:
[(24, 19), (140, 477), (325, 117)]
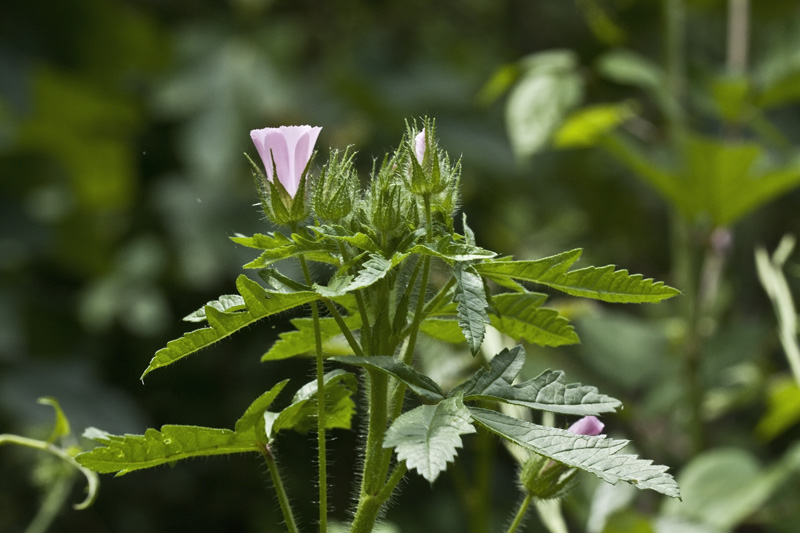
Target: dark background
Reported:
[(122, 128)]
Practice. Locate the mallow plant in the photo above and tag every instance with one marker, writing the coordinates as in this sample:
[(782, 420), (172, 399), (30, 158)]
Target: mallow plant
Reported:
[(397, 264)]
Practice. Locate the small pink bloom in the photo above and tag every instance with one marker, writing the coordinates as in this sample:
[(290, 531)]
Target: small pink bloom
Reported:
[(588, 425), (419, 146), (290, 147)]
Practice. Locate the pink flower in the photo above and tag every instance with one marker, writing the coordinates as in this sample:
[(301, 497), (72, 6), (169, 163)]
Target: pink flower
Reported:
[(419, 146), (289, 148), (588, 425)]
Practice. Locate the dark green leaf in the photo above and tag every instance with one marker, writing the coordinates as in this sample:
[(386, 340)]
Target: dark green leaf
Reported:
[(301, 414), (419, 383), (471, 310), (301, 341)]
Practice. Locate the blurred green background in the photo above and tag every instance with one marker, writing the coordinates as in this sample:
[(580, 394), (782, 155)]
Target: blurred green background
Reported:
[(122, 129)]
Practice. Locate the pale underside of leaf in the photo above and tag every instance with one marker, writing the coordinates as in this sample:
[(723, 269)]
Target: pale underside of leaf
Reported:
[(597, 455), (428, 437)]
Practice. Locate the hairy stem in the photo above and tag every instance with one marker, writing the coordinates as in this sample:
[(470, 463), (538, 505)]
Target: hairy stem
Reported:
[(321, 445), (283, 500), (366, 336), (520, 516)]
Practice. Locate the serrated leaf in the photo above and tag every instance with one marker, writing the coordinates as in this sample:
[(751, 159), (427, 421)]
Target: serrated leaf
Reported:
[(471, 310), (546, 392), (374, 269), (520, 316), (546, 267), (259, 302), (600, 283), (609, 285), (340, 233), (301, 341), (419, 383), (278, 247), (253, 420), (301, 414), (428, 436), (453, 252), (230, 303), (597, 455), (124, 454), (60, 424)]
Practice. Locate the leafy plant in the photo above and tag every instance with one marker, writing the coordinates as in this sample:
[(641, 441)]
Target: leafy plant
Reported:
[(384, 245)]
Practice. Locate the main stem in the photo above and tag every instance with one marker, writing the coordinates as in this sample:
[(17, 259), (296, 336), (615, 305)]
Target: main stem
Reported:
[(322, 456)]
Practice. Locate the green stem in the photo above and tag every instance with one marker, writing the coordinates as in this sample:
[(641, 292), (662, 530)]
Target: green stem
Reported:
[(366, 338), (91, 477), (479, 510), (283, 500), (378, 409), (367, 513), (523, 508), (337, 316), (321, 445)]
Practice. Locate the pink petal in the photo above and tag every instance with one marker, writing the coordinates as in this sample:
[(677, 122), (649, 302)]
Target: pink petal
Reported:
[(419, 146), (588, 425), (290, 148)]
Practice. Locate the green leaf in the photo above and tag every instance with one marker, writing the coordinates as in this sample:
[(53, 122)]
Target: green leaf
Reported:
[(548, 88), (259, 302), (61, 424), (520, 316), (471, 299), (546, 392), (453, 252), (586, 126), (419, 383), (230, 303), (443, 329), (278, 247), (428, 436), (597, 455), (373, 270), (301, 414), (124, 454), (340, 233), (609, 285), (529, 270), (253, 418), (301, 341)]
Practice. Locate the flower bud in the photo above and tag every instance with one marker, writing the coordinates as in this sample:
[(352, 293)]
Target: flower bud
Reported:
[(337, 188)]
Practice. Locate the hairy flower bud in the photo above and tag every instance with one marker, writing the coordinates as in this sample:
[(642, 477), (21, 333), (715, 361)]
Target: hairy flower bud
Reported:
[(337, 188)]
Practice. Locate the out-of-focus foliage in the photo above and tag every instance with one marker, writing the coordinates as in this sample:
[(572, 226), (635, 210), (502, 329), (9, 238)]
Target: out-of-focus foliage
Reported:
[(122, 127)]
